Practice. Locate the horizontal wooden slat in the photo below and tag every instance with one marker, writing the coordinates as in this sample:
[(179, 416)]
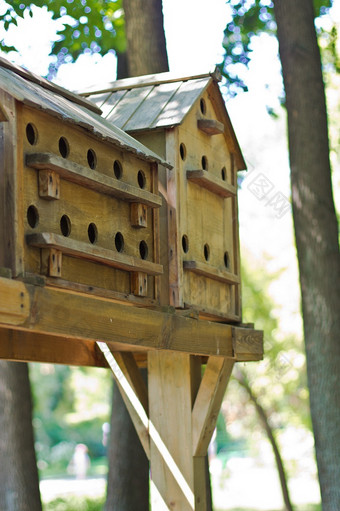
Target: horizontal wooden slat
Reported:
[(214, 184), (93, 253), (93, 179), (211, 272), (210, 126)]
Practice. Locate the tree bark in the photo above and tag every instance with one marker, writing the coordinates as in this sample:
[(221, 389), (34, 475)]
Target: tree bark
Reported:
[(19, 483), (242, 380), (146, 46), (316, 232), (128, 479)]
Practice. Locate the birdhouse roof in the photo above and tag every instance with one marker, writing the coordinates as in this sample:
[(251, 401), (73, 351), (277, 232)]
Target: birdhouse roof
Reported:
[(160, 101), (39, 93)]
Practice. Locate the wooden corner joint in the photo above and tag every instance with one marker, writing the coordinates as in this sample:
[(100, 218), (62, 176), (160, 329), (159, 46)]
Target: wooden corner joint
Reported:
[(247, 344), (49, 185), (138, 214), (14, 302)]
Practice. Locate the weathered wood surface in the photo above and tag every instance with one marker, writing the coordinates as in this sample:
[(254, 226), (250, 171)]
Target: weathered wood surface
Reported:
[(210, 126), (87, 251), (208, 402), (14, 302), (211, 182), (91, 178), (211, 272), (247, 344), (107, 321)]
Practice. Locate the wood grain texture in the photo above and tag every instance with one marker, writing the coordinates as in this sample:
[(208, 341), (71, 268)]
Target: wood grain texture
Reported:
[(14, 302), (210, 126), (208, 402), (87, 251), (247, 344), (211, 272), (212, 183), (90, 178)]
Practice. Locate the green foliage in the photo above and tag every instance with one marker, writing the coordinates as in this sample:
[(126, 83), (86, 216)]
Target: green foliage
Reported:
[(70, 407), (75, 504), (88, 26), (249, 18)]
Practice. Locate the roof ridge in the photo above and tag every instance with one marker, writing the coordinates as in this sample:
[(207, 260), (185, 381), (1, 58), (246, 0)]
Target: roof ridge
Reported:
[(151, 79)]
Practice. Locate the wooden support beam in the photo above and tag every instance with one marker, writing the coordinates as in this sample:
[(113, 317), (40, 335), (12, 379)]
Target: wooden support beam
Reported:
[(208, 402)]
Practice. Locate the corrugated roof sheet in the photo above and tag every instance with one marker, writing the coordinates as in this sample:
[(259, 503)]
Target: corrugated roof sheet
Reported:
[(41, 94)]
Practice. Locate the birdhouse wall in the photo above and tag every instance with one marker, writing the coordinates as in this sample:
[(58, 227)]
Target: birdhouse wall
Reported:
[(87, 211), (204, 183)]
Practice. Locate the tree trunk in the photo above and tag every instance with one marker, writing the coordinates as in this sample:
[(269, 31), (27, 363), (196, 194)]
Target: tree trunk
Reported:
[(128, 480), (316, 232), (19, 483), (146, 46), (242, 380)]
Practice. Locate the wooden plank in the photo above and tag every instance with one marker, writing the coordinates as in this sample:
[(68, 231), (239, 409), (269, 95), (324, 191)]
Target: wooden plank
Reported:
[(21, 346), (130, 397), (89, 252), (211, 272), (107, 321), (111, 102), (181, 102), (127, 106), (210, 126), (14, 302), (129, 368), (247, 344), (169, 385), (208, 402), (11, 252), (145, 117), (91, 178), (210, 182)]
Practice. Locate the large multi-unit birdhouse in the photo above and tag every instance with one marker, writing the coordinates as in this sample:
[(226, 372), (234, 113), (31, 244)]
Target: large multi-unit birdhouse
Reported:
[(186, 122), (79, 197)]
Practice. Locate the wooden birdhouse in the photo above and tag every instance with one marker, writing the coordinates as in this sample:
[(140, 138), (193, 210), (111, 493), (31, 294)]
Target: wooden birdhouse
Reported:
[(79, 197), (185, 121)]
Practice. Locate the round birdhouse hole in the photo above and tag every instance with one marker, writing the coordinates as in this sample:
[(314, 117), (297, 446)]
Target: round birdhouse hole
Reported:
[(185, 243), (203, 106), (204, 163), (32, 216), (65, 226), (92, 233), (224, 174), (183, 151), (91, 159), (119, 242), (31, 133), (226, 260), (206, 251), (141, 179), (143, 249), (117, 169), (64, 147)]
